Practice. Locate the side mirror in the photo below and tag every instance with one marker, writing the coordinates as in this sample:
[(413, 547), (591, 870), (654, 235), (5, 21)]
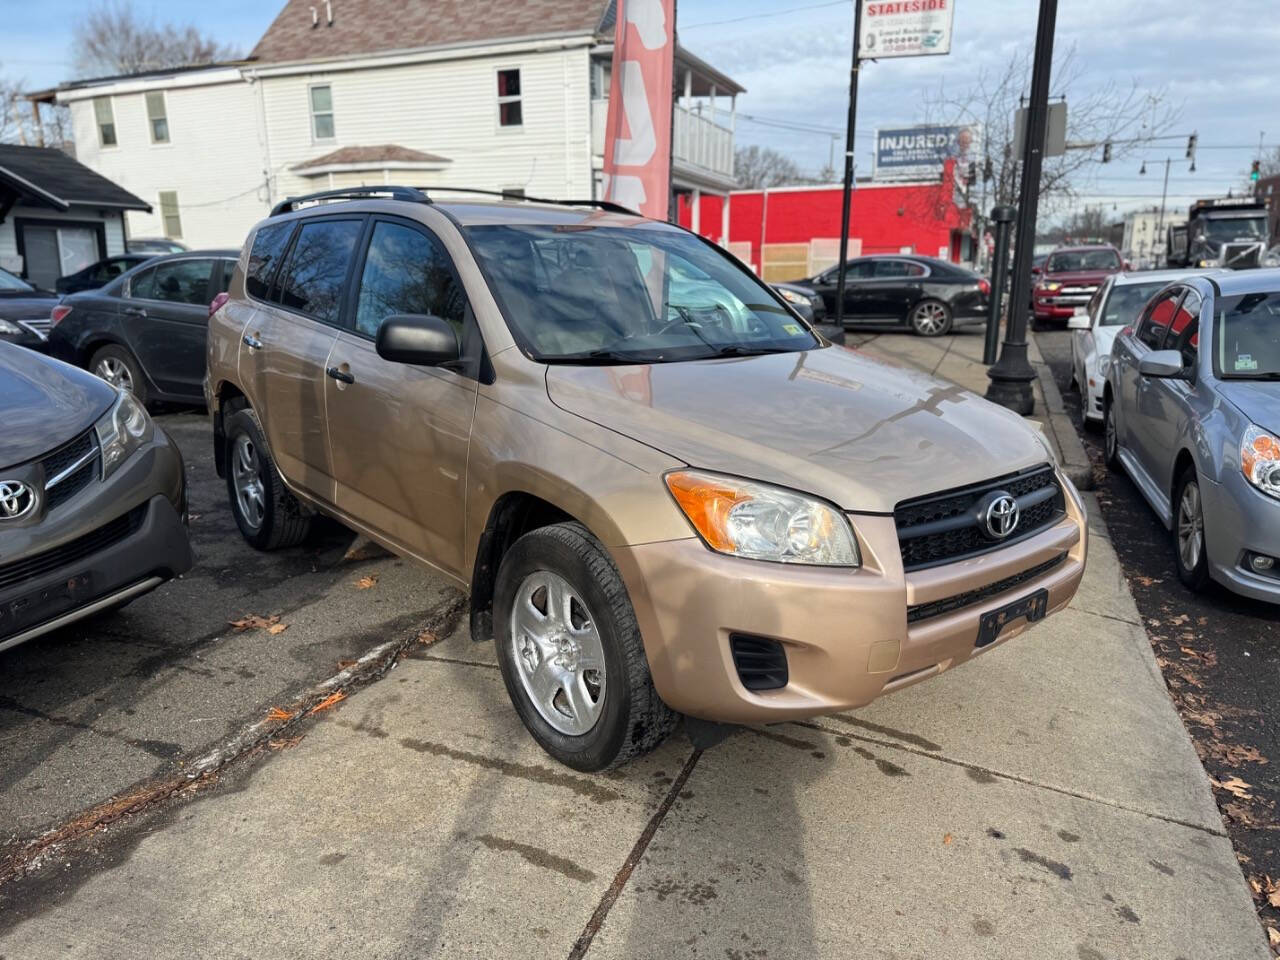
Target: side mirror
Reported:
[(421, 340), (1162, 364), (1035, 271), (1080, 320)]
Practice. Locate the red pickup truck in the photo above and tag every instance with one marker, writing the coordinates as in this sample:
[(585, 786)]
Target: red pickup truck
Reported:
[(1069, 279)]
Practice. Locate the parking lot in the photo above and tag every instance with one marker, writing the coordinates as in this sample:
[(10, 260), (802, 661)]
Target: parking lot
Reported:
[(1043, 801)]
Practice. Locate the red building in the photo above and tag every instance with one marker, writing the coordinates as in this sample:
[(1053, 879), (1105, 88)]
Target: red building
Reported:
[(798, 228)]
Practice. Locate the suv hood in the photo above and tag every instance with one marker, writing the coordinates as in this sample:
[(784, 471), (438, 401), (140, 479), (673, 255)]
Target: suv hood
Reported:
[(1078, 277), (1258, 400), (858, 432), (44, 403)]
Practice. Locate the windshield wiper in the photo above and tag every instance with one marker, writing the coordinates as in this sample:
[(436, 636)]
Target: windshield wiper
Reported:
[(604, 356), (739, 350)]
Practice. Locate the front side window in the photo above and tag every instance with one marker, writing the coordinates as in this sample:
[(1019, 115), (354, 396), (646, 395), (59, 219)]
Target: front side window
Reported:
[(406, 271), (1184, 332), (9, 282), (157, 117), (182, 281), (510, 105), (322, 113), (1246, 343), (312, 280), (106, 120), (1126, 301), (169, 213), (642, 294), (264, 258), (1156, 322), (1071, 261)]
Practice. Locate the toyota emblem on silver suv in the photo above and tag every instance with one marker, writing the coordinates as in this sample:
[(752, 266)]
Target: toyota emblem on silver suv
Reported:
[(1001, 516), (16, 499)]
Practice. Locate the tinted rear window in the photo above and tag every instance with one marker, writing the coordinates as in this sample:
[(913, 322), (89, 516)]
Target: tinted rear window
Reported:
[(312, 279), (268, 247)]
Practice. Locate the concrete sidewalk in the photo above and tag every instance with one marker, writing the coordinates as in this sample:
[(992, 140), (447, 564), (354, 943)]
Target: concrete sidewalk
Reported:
[(958, 357), (1044, 801)]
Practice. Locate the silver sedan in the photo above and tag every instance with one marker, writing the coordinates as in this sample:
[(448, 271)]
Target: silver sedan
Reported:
[(1192, 413)]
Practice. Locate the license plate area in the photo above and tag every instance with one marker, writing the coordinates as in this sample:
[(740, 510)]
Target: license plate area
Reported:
[(1031, 608)]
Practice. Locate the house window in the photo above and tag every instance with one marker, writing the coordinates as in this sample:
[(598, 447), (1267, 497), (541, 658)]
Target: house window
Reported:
[(169, 213), (157, 118), (106, 121), (322, 113), (510, 109)]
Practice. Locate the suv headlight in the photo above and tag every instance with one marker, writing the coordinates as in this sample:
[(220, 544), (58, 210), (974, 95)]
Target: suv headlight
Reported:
[(1260, 460), (122, 430), (792, 297), (1051, 287), (762, 522)]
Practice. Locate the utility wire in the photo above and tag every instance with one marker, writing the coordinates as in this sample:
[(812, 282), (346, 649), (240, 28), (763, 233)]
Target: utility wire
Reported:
[(761, 16)]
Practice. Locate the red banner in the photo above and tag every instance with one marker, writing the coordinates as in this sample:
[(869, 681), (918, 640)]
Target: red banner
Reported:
[(637, 144)]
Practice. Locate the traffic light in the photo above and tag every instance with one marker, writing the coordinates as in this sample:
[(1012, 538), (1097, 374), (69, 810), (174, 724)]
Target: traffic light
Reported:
[(1106, 152), (973, 172), (1191, 145), (1255, 171), (988, 171)]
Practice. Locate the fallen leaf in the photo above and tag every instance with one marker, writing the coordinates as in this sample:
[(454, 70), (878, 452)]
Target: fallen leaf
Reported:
[(254, 622), (365, 582), (1273, 935), (328, 702), (1235, 786), (277, 628), (1274, 899), (947, 839), (345, 664), (1237, 754), (284, 742), (1255, 884), (275, 713)]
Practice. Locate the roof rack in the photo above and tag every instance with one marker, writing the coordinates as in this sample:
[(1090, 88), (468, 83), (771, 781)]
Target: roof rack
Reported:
[(412, 194), (608, 205)]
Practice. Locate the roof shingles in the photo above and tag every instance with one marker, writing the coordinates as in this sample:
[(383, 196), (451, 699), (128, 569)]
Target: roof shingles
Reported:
[(54, 178), (388, 153)]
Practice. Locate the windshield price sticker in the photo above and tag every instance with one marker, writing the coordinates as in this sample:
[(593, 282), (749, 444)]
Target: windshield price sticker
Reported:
[(1246, 362)]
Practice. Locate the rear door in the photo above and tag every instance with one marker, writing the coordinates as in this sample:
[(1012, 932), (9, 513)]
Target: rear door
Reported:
[(286, 345), (165, 319), (400, 433)]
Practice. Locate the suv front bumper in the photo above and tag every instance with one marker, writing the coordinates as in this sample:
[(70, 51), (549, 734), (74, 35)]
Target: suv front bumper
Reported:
[(845, 632)]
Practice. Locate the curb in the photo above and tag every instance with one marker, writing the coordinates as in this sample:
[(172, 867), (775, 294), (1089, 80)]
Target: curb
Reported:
[(1074, 461)]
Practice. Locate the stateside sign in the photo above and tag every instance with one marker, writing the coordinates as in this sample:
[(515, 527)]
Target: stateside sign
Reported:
[(905, 28)]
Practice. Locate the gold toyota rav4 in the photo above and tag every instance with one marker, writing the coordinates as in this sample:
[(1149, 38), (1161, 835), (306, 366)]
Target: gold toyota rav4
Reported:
[(665, 494)]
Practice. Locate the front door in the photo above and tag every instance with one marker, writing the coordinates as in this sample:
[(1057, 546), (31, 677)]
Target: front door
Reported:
[(1141, 404), (894, 286), (400, 433), (166, 319)]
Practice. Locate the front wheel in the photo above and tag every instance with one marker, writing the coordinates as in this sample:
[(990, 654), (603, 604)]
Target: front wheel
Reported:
[(930, 318), (1110, 435), (268, 515), (570, 651), (1189, 553)]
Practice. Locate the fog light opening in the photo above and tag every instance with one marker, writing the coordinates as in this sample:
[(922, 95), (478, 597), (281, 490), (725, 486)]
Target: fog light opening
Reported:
[(1261, 563)]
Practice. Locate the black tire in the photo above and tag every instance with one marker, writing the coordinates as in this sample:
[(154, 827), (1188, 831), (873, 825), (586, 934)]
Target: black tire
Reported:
[(1110, 436), (633, 719), (1195, 576), (283, 522), (930, 318), (127, 371)]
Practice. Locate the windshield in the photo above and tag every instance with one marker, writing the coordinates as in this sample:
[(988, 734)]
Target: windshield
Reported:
[(9, 282), (1234, 228), (642, 294), (1126, 302), (1247, 339), (1069, 261)]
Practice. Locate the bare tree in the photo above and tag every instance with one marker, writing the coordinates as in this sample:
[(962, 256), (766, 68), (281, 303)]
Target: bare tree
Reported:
[(759, 167), (25, 123), (114, 38)]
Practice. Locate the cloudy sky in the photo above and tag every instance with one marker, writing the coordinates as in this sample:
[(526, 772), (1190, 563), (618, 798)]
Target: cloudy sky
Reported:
[(1215, 64)]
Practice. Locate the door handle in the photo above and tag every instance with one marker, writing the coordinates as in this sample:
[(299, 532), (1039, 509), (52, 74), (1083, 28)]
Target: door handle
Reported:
[(340, 375), (135, 311), (252, 342)]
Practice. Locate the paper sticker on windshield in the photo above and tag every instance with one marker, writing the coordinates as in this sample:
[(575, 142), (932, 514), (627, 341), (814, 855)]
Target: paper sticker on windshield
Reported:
[(793, 329), (1246, 362)]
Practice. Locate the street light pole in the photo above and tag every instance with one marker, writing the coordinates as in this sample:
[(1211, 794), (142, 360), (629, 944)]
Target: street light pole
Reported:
[(1011, 376), (1164, 194), (846, 195)]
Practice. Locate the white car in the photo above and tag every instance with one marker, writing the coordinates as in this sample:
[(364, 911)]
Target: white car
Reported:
[(1117, 303)]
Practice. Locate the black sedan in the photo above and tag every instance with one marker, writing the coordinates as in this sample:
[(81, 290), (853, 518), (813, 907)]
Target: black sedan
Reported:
[(24, 312), (145, 331), (806, 301), (923, 293), (101, 273)]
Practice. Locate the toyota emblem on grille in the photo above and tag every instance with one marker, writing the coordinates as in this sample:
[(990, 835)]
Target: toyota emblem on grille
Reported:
[(16, 499), (1000, 518)]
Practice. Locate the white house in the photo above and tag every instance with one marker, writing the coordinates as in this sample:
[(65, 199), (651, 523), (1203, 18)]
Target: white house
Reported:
[(1144, 241), (477, 93)]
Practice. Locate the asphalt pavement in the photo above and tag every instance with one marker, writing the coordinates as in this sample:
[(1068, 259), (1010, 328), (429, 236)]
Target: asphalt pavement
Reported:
[(1220, 655)]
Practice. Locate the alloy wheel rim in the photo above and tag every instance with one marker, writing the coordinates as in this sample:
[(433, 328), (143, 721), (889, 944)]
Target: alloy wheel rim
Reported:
[(558, 653), (1110, 428), (246, 475), (930, 318), (1190, 526), (114, 371)]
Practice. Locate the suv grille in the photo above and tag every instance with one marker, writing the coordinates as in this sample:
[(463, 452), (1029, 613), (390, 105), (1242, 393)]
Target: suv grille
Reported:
[(84, 546), (922, 611), (70, 469), (944, 527)]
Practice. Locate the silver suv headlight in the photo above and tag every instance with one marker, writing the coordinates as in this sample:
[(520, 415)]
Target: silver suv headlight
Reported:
[(1260, 460), (791, 296), (121, 431), (763, 522)]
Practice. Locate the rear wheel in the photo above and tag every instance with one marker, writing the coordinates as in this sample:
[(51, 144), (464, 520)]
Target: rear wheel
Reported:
[(1189, 553), (571, 654), (930, 318), (120, 368), (268, 515)]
